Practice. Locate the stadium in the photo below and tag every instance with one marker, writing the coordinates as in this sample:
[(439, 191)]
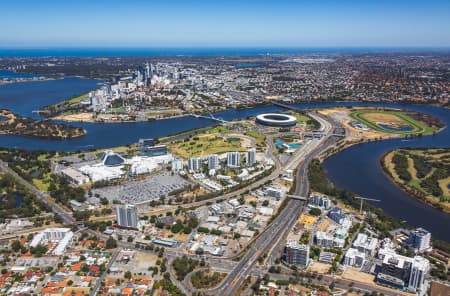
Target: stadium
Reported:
[(276, 119)]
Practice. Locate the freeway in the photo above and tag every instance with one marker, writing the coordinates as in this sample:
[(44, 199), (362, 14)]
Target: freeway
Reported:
[(272, 239), (57, 209), (282, 224)]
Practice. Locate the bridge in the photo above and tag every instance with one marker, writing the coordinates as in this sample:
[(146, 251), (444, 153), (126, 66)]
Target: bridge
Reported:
[(286, 106), (210, 117), (297, 197), (40, 111)]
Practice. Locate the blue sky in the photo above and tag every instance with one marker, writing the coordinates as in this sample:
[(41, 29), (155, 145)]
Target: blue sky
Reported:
[(231, 23)]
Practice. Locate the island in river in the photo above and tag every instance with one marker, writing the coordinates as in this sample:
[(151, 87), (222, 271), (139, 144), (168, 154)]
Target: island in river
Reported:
[(423, 173), (14, 124)]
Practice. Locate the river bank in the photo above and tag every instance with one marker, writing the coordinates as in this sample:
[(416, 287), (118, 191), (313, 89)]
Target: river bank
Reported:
[(361, 163), (16, 125), (413, 190)]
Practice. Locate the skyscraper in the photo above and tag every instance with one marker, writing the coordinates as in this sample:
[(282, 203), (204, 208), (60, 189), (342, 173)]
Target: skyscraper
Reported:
[(213, 161), (419, 268), (195, 164), (127, 215), (177, 165), (233, 159), (251, 157)]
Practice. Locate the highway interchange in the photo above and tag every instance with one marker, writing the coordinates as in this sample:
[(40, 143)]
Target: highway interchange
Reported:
[(269, 242)]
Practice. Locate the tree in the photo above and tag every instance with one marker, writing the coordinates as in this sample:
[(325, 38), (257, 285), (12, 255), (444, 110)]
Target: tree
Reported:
[(315, 212), (332, 285), (39, 250), (127, 274), (111, 243), (16, 246)]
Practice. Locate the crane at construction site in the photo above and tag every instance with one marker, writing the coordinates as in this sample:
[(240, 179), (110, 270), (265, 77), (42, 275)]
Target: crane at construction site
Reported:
[(363, 199)]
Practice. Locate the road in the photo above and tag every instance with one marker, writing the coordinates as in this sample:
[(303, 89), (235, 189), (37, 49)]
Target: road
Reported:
[(281, 225), (342, 283), (271, 240), (258, 183), (57, 209), (102, 277)]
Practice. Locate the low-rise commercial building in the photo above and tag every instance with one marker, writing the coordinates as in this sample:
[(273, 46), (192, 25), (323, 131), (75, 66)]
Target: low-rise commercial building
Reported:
[(365, 244), (354, 257), (74, 176)]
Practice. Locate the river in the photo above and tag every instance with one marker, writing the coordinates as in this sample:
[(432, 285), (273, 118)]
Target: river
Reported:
[(363, 174), (25, 97)]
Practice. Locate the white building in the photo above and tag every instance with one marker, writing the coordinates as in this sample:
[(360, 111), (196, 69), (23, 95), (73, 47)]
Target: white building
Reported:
[(145, 164), (195, 164), (296, 254), (99, 172), (402, 271), (419, 240), (419, 268), (177, 165), (365, 244), (60, 238), (233, 159), (274, 192), (127, 216), (353, 257), (320, 201), (243, 175), (323, 239), (250, 159), (75, 176), (213, 161)]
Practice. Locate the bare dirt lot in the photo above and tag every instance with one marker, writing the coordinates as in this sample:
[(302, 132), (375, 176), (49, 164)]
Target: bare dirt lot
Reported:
[(319, 267)]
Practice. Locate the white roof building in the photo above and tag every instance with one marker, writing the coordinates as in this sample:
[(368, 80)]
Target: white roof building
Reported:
[(266, 211), (75, 176), (365, 244), (353, 257), (60, 238)]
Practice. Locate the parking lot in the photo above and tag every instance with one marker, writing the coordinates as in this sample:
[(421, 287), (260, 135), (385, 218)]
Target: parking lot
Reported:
[(150, 188)]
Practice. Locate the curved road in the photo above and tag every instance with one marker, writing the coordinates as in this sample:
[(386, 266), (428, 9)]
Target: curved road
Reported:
[(282, 224)]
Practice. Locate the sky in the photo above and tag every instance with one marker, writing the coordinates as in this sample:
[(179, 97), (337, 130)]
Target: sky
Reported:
[(228, 23)]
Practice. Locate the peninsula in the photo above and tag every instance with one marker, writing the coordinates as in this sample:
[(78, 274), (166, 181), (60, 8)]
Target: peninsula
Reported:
[(14, 124)]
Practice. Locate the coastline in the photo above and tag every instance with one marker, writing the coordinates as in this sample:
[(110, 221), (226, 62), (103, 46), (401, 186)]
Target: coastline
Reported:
[(44, 137), (25, 80), (406, 189), (67, 118), (22, 126)]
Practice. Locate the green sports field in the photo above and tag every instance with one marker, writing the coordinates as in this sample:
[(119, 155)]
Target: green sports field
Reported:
[(392, 122)]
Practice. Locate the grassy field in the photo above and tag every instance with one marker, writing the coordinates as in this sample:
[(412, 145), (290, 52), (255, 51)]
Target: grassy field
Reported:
[(204, 145), (302, 119), (78, 99), (429, 174), (373, 119), (260, 139)]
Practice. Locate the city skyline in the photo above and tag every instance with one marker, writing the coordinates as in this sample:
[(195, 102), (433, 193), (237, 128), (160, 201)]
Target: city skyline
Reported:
[(191, 24)]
